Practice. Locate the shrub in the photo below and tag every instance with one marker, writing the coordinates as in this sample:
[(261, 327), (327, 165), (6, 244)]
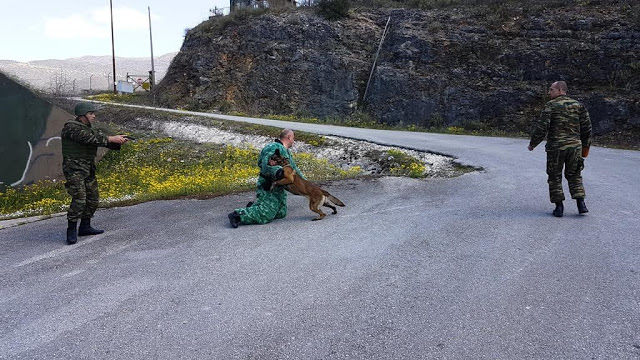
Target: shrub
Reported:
[(334, 9)]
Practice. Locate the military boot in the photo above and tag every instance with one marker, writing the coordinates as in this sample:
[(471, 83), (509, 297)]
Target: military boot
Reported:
[(86, 229), (72, 232), (234, 219), (557, 212), (582, 207)]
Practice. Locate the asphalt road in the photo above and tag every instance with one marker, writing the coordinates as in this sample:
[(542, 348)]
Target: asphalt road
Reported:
[(473, 267)]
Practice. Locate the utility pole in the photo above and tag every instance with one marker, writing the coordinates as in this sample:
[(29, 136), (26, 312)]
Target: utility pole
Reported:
[(152, 78), (113, 49)]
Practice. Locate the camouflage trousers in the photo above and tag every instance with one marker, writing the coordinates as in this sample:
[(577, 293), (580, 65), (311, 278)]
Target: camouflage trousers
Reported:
[(82, 185), (573, 163), (268, 206)]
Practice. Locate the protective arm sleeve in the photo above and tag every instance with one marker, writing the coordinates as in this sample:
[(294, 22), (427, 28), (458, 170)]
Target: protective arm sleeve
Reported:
[(585, 127), (267, 169), (541, 127)]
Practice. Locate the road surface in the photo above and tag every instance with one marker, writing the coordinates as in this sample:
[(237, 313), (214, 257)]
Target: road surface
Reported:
[(473, 267)]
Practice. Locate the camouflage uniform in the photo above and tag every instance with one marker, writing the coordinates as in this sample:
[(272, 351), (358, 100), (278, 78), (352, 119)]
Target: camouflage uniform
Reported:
[(80, 144), (270, 204), (567, 126)]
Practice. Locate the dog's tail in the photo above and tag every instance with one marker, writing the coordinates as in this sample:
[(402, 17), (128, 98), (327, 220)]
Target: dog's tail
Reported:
[(332, 198)]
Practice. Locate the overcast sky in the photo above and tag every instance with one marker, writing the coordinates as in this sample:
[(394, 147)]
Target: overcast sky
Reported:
[(47, 29)]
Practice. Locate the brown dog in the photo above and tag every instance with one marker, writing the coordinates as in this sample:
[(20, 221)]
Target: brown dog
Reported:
[(299, 186)]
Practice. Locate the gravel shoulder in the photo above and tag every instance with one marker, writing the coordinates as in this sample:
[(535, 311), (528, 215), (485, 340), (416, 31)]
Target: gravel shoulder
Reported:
[(343, 152)]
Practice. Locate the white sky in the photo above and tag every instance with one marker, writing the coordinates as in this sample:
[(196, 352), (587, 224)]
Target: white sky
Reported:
[(62, 29)]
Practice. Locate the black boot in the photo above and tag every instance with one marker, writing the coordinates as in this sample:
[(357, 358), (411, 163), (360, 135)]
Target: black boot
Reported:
[(557, 212), (234, 219), (72, 232), (86, 229), (582, 207)]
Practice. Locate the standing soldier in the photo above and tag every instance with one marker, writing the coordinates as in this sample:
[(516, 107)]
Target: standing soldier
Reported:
[(271, 203), (80, 142), (567, 126)]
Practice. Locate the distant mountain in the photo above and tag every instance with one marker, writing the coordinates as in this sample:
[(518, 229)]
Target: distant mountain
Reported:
[(75, 75)]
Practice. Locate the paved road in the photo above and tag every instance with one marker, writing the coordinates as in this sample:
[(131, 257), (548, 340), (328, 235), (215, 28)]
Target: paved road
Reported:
[(465, 268)]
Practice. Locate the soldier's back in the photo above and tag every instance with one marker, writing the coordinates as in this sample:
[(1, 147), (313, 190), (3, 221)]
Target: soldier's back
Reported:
[(564, 126)]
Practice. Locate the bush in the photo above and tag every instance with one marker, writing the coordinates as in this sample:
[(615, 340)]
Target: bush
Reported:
[(334, 9)]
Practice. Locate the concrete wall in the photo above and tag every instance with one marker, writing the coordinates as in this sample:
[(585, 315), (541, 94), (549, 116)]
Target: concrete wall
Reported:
[(30, 148)]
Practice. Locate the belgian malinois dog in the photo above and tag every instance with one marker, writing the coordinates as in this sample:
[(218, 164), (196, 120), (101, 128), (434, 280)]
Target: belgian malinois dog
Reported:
[(299, 186)]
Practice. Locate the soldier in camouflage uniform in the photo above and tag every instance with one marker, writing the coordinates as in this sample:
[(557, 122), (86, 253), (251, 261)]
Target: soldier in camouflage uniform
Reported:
[(567, 126), (271, 203), (80, 142)]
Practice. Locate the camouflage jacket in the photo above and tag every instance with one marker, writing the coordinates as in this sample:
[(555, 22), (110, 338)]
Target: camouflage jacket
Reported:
[(81, 141), (267, 152), (565, 123)]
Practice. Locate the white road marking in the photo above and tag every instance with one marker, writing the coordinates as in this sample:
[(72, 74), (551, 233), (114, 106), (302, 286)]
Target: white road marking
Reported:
[(53, 253), (73, 273)]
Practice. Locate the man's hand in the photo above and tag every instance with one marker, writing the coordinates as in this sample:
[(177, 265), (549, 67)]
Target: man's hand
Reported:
[(118, 139), (530, 148)]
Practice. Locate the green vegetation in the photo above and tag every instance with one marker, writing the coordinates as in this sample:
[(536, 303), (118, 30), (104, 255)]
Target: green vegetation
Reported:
[(123, 116), (218, 24), (362, 120), (133, 99), (401, 164), (154, 168), (46, 197), (162, 168), (495, 4), (333, 9)]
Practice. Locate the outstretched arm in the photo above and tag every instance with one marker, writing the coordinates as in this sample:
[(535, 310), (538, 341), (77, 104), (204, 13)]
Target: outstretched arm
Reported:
[(90, 136), (84, 135), (267, 166)]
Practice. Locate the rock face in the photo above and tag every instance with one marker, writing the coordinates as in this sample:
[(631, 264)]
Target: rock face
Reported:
[(478, 67)]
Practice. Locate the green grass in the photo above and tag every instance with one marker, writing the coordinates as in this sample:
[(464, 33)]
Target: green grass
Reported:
[(361, 120), (162, 168), (42, 198), (398, 163), (139, 98)]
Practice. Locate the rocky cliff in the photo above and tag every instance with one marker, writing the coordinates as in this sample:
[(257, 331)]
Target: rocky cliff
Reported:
[(476, 67)]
